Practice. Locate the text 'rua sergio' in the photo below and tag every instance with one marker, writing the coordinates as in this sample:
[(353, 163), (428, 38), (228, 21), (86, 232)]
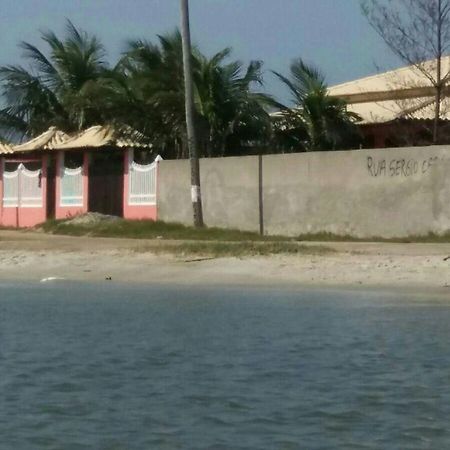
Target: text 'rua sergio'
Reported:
[(399, 167)]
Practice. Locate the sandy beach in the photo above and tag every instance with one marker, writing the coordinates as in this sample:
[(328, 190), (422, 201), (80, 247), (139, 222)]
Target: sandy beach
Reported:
[(34, 256)]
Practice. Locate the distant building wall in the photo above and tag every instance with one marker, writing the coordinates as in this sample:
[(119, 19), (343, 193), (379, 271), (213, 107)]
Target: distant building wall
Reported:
[(383, 192)]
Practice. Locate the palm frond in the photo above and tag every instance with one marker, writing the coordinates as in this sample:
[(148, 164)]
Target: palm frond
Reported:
[(322, 121)]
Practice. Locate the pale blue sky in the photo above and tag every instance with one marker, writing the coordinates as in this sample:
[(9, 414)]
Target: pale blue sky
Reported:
[(332, 34)]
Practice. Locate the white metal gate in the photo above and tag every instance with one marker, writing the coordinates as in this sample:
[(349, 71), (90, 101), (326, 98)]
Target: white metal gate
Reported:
[(71, 193), (142, 182), (22, 188)]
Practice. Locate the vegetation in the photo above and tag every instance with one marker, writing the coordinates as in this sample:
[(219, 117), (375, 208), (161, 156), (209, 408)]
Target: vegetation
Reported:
[(429, 238), (60, 90), (182, 240), (71, 86), (163, 232), (317, 121), (148, 229), (215, 249)]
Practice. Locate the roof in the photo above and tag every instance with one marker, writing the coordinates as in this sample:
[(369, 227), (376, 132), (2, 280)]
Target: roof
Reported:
[(5, 149), (102, 136), (97, 137), (45, 141), (400, 93)]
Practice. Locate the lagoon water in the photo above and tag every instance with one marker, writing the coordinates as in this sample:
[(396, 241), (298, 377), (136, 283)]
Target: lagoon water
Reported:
[(116, 367)]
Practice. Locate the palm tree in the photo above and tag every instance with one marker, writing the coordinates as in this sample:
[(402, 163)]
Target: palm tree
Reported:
[(58, 90), (71, 87), (230, 109), (152, 90), (226, 108), (317, 121)]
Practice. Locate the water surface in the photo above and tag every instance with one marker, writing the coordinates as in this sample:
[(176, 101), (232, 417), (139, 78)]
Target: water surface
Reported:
[(115, 367)]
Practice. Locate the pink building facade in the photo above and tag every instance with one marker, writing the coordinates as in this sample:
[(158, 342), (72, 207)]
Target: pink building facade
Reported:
[(57, 183), (140, 188), (71, 188), (23, 193)]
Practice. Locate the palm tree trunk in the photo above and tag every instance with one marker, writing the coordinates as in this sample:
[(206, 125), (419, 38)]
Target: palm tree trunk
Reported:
[(211, 145), (223, 143)]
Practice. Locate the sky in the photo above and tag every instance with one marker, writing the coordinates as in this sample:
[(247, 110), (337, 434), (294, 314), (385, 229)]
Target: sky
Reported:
[(331, 34)]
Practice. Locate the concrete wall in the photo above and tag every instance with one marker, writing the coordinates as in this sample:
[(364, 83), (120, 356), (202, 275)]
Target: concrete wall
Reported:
[(229, 192), (389, 192), (383, 192)]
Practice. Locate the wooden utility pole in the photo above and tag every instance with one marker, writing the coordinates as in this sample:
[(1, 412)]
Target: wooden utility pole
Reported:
[(190, 126)]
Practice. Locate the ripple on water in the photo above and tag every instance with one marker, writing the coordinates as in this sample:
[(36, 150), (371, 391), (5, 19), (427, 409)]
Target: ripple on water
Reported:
[(114, 368)]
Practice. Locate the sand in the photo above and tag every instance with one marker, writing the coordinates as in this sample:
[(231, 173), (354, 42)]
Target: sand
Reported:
[(33, 256)]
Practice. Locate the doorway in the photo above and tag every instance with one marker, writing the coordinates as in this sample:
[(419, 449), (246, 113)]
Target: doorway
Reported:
[(106, 182)]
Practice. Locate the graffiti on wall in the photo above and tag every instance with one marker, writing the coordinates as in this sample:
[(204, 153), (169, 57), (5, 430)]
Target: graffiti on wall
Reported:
[(399, 167)]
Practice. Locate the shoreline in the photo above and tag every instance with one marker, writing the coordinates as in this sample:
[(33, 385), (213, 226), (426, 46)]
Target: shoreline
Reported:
[(410, 268)]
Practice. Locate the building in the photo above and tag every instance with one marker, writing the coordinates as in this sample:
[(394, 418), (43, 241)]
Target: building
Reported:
[(397, 107), (57, 175)]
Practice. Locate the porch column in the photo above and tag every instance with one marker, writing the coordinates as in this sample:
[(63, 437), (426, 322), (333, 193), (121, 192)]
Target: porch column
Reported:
[(59, 165), (127, 155), (45, 161), (85, 173), (158, 159), (2, 165)]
